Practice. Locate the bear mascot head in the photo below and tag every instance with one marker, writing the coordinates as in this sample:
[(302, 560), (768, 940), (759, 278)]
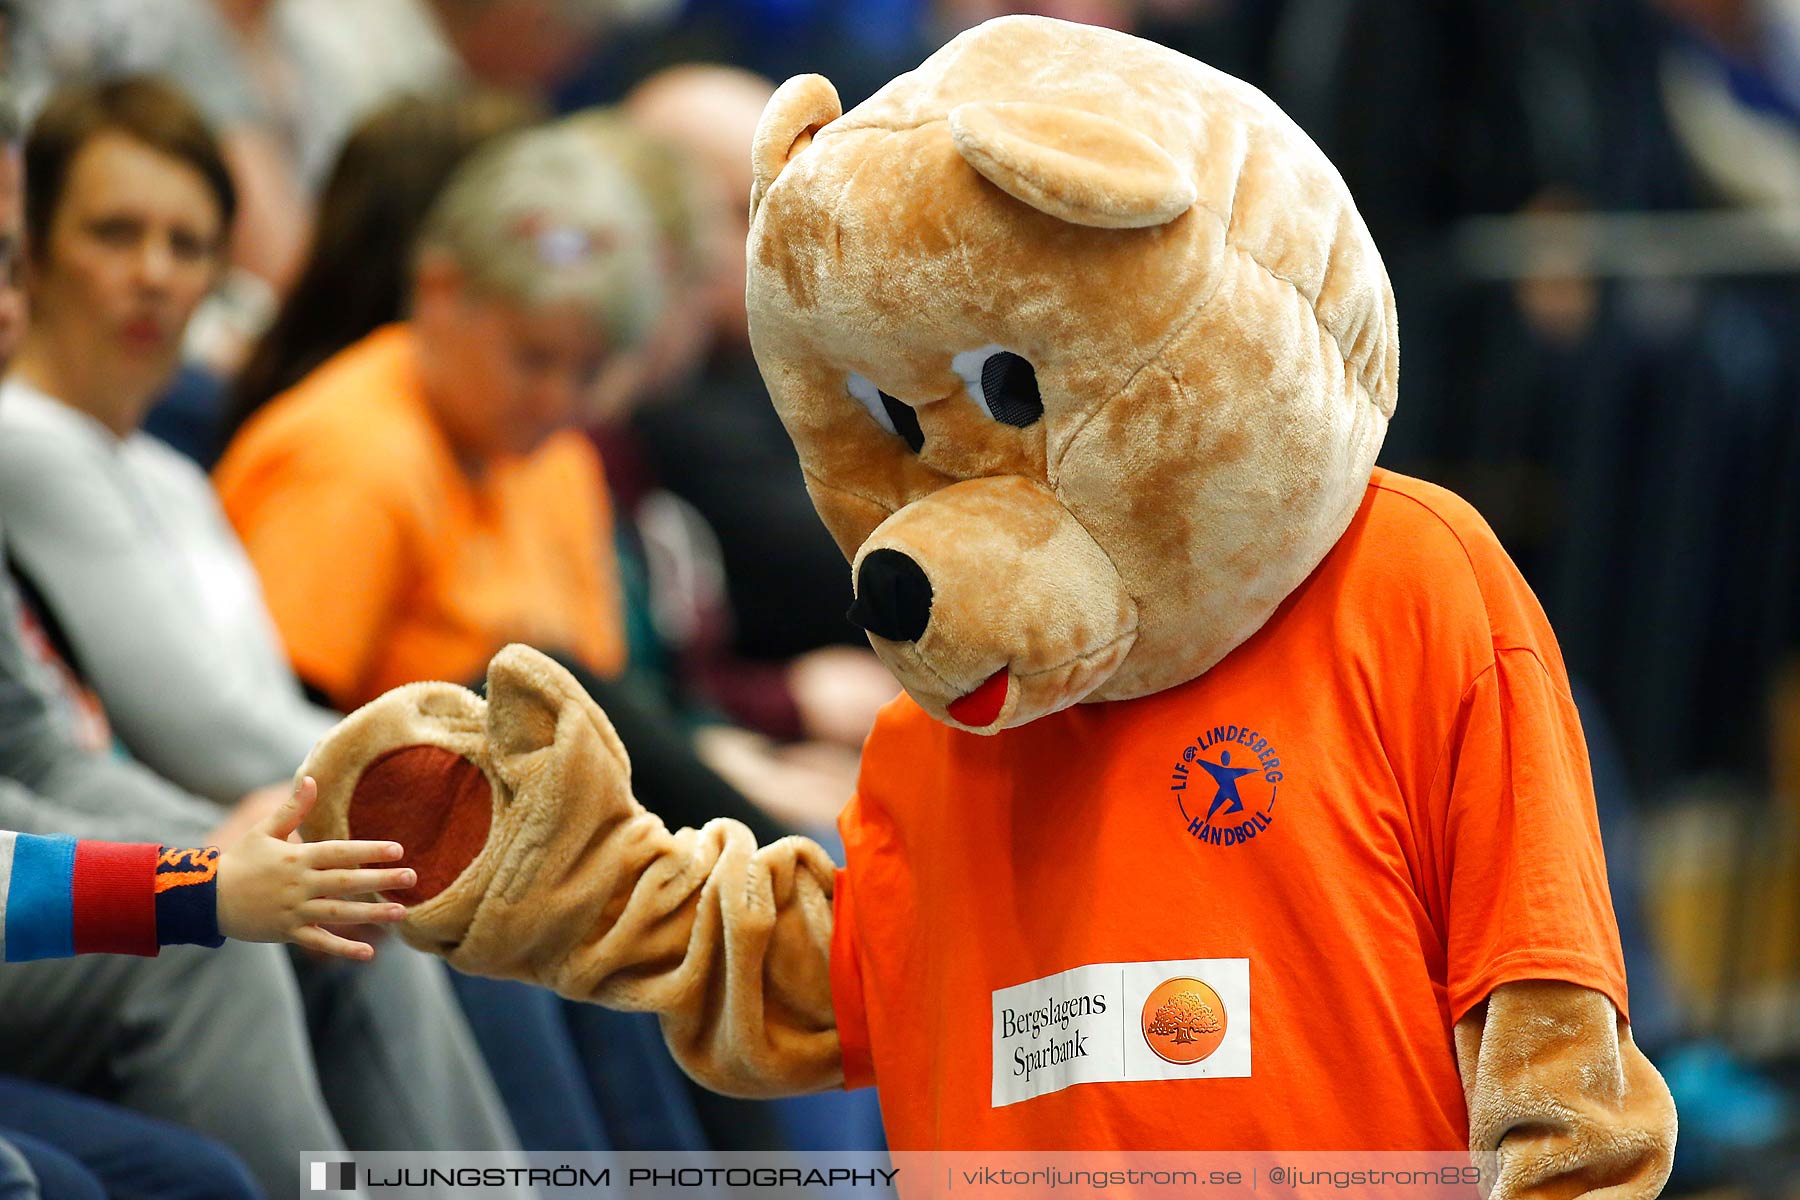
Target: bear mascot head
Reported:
[(1085, 378)]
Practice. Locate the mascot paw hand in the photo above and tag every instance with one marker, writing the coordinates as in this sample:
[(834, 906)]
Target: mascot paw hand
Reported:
[(481, 793)]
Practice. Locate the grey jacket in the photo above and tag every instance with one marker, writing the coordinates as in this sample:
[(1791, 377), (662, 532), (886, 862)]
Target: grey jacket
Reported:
[(48, 784), (144, 576)]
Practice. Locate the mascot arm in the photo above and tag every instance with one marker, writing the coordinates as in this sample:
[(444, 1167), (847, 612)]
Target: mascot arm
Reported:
[(1560, 1093), (536, 863)]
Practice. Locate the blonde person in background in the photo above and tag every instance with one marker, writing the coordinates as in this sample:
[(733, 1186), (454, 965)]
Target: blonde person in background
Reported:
[(356, 278), (421, 499), (424, 496), (366, 274)]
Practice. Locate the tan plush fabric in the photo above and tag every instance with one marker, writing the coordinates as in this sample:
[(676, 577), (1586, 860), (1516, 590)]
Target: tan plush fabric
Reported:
[(1211, 327), (1078, 166), (1214, 339), (579, 889), (1559, 1091)]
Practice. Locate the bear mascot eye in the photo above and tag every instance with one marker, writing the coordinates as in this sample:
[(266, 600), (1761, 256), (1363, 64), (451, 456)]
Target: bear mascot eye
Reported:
[(1002, 383), (897, 418)]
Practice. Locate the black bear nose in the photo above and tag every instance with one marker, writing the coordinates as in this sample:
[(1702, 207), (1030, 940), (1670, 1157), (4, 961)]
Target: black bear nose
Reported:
[(893, 596)]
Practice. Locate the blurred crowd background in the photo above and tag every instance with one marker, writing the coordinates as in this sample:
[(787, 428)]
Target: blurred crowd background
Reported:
[(530, 213)]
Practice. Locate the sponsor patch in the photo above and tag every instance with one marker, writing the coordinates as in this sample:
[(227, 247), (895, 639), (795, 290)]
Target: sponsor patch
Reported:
[(1121, 1022)]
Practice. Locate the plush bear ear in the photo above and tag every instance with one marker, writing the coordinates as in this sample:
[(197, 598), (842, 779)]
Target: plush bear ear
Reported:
[(799, 108), (539, 713), (1077, 166)]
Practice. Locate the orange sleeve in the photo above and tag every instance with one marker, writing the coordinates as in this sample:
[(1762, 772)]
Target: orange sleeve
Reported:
[(586, 503), (330, 548), (847, 989), (1523, 876)]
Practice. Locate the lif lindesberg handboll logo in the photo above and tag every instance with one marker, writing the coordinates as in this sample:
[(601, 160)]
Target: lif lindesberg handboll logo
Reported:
[(1224, 782)]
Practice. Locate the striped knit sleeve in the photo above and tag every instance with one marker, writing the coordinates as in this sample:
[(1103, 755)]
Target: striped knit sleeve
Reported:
[(187, 897), (61, 896)]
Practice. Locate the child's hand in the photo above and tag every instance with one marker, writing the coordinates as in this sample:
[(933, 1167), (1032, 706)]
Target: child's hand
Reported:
[(272, 889)]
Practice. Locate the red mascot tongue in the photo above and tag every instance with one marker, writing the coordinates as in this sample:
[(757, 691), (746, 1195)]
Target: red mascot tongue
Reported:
[(981, 706)]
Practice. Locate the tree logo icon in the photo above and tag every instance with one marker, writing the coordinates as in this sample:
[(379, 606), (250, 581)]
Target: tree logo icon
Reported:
[(1183, 1020)]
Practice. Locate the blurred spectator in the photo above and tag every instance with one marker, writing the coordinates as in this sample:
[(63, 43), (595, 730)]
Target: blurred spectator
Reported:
[(432, 460), (12, 234), (272, 101), (1730, 77), (362, 277), (380, 49), (420, 499), (688, 218), (220, 1042), (120, 540), (80, 1148), (679, 613), (386, 178), (52, 1142), (709, 114), (827, 696), (720, 445)]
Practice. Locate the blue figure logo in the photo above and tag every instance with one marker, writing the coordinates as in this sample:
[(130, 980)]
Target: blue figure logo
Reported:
[(1243, 821), (1226, 776)]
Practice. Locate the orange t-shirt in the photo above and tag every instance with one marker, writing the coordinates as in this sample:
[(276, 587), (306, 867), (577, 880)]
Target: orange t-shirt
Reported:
[(383, 562), (1243, 913)]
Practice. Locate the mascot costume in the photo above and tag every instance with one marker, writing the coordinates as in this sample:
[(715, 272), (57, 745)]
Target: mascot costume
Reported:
[(1233, 774)]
